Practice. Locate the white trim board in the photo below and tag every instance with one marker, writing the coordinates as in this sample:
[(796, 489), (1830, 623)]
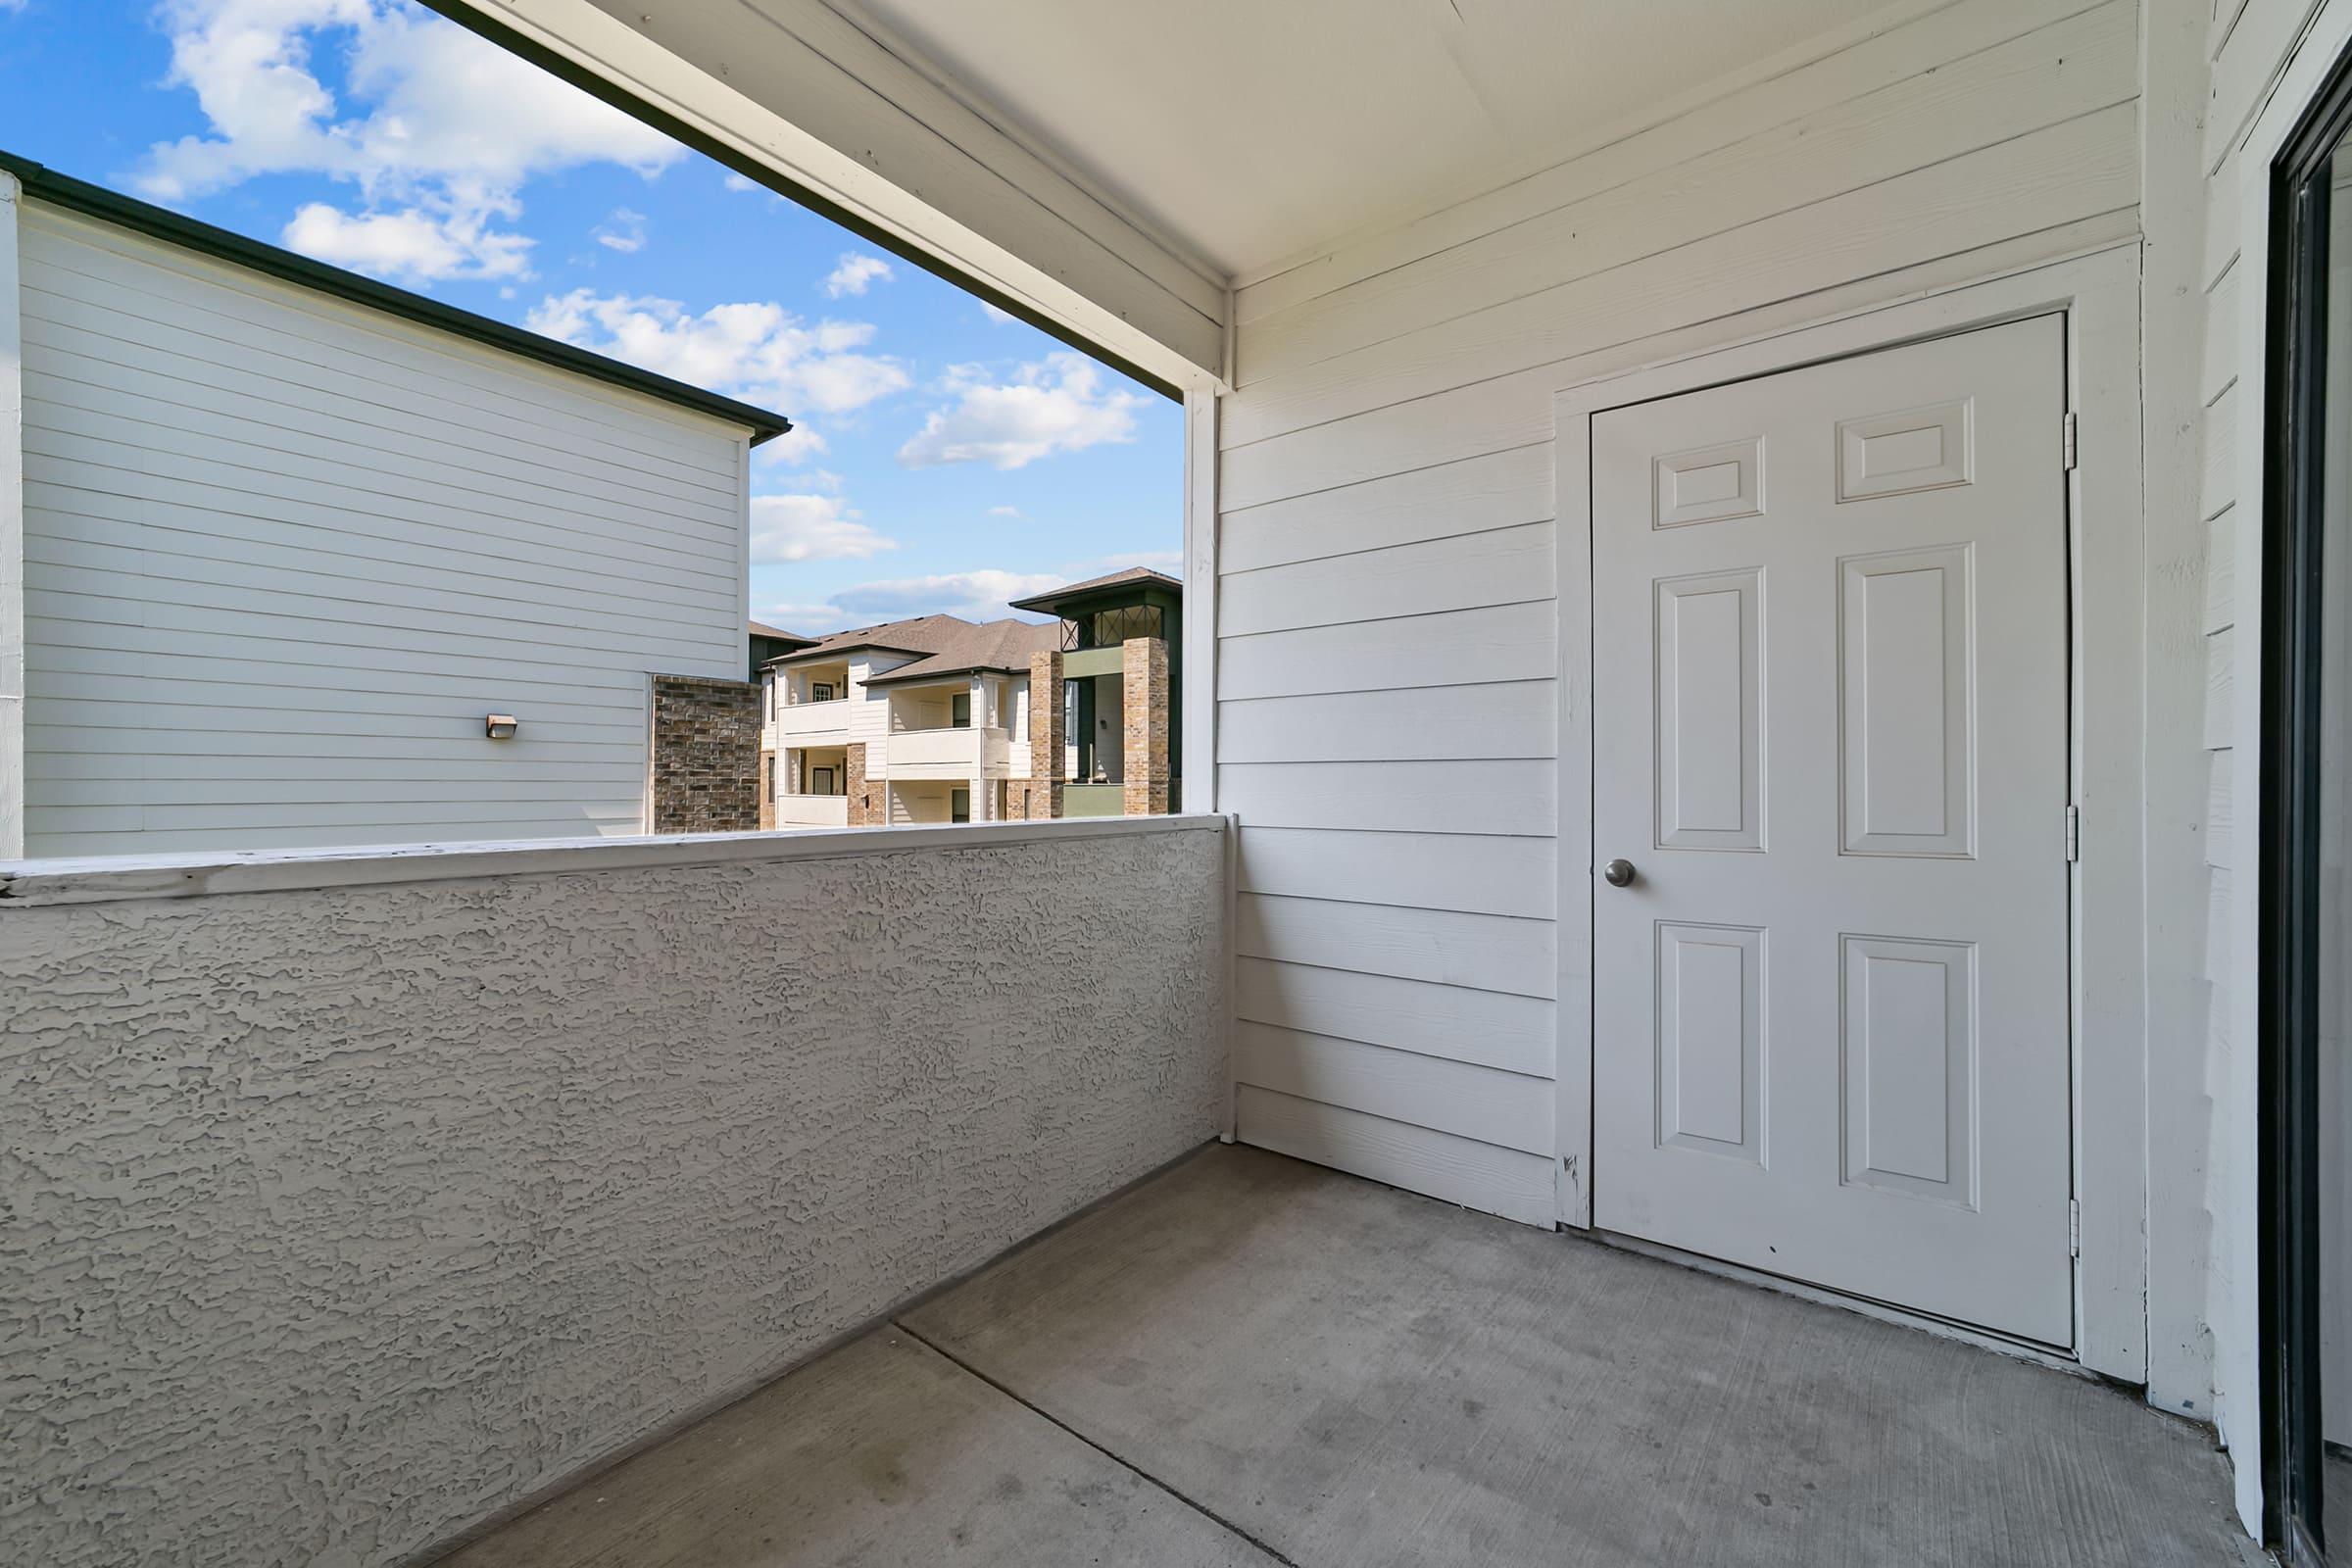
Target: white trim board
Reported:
[(2099, 294), (829, 105), (12, 532), (33, 884), (1197, 767), (2234, 1304)]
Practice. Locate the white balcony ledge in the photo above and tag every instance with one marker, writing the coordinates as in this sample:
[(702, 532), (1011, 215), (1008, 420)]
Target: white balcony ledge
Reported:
[(812, 810), (954, 753), (27, 884), (813, 723)]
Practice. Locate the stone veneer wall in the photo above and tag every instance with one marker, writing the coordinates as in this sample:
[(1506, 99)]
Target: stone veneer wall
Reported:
[(705, 763), (1048, 744), (854, 764), (1144, 667), (340, 1218), (768, 760)]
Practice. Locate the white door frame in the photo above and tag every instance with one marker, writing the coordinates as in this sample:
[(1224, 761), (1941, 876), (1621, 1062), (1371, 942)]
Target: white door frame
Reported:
[(2236, 1261), (2099, 294)]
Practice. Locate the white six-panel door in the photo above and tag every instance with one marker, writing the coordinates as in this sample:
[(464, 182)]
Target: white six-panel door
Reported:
[(1829, 721)]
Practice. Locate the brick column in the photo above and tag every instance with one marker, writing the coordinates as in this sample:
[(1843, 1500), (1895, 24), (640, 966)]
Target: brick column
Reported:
[(1144, 667), (856, 785), (768, 789), (1047, 742)]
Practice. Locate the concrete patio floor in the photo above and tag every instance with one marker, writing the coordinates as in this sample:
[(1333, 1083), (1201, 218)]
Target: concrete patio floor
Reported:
[(1250, 1360)]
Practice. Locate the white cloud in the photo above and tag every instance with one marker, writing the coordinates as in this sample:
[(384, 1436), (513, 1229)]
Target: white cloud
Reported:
[(811, 527), (759, 352), (442, 130), (973, 595), (1059, 403), (997, 315), (812, 620), (1170, 562), (623, 231), (412, 247), (1003, 512), (855, 273), (735, 181), (984, 595), (790, 449)]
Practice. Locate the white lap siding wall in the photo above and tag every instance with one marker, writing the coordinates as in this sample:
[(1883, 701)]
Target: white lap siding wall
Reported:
[(2245, 45), (283, 554), (1387, 648)]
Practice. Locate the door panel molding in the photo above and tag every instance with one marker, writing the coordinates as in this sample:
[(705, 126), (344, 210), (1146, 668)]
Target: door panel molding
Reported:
[(1906, 745), (2098, 294)]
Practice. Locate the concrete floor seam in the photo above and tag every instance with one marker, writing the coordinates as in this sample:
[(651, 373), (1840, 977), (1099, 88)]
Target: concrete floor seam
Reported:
[(1119, 1459)]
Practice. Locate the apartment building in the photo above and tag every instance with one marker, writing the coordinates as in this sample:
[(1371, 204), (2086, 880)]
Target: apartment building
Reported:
[(939, 719)]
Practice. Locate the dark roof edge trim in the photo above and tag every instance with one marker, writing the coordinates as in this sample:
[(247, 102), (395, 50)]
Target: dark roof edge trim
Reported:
[(46, 184), (628, 103), (968, 668), (823, 655), (1061, 602)]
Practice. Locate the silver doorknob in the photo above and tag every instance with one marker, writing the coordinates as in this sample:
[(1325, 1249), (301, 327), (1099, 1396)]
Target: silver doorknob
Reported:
[(1617, 873)]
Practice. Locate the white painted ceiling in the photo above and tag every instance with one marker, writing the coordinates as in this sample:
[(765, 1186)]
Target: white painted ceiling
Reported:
[(1251, 130)]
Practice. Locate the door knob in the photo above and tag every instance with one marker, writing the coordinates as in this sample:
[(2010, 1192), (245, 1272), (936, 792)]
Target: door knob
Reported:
[(1617, 873)]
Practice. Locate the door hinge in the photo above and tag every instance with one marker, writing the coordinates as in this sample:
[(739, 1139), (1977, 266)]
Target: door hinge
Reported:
[(2073, 1227), (2070, 440), (2074, 833)]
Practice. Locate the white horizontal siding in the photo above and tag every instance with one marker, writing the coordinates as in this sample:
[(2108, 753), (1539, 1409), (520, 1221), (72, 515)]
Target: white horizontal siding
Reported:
[(1452, 1097), (1389, 632), (1489, 1028), (1414, 870), (2215, 1197), (282, 554), (1474, 723), (1478, 952), (1468, 1171), (1508, 798)]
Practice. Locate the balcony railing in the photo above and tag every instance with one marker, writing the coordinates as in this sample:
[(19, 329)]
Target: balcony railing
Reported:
[(658, 1098), (950, 754), (814, 722), (812, 810), (1094, 799), (810, 724)]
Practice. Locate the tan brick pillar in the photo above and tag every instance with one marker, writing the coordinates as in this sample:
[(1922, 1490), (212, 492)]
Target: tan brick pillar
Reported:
[(768, 789), (1144, 667), (1047, 742), (856, 786)]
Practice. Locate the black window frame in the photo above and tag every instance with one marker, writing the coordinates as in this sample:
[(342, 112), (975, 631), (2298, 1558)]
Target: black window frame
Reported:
[(2288, 861)]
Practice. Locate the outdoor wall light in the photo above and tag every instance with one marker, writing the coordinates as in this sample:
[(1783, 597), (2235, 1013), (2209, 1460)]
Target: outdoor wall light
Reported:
[(497, 726)]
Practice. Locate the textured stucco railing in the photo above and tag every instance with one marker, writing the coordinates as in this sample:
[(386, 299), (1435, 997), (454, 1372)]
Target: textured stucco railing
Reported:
[(350, 1200)]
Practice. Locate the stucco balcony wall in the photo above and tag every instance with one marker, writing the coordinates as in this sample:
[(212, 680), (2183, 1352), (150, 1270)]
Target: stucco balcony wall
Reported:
[(356, 1199)]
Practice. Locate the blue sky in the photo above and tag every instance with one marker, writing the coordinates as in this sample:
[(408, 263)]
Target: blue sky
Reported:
[(948, 456)]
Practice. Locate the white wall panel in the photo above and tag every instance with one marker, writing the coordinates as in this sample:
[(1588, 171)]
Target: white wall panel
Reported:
[(1388, 556), (282, 554)]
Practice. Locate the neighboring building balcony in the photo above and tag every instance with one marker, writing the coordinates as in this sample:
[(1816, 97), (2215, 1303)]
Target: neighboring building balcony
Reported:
[(813, 723), (1094, 799), (950, 754), (812, 810)]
